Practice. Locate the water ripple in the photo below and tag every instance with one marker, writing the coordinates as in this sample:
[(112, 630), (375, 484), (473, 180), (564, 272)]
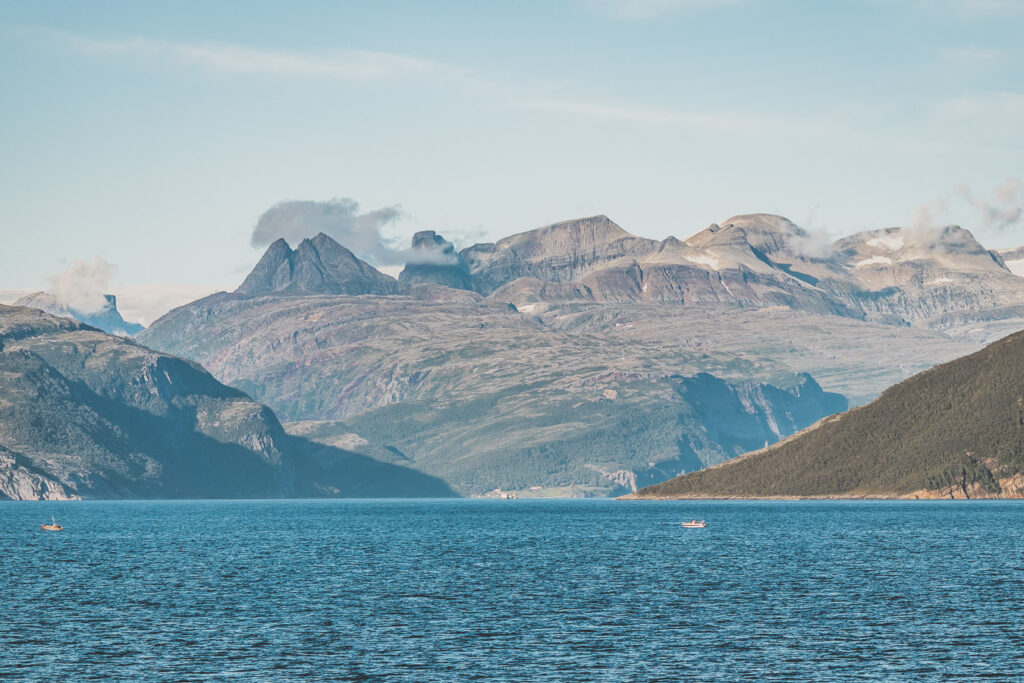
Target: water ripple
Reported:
[(494, 590)]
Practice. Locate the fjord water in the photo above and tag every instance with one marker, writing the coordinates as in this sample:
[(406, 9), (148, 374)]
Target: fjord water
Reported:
[(499, 590)]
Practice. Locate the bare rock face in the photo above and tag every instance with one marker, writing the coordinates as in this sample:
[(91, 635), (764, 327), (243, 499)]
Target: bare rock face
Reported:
[(107, 318), (20, 481), (896, 275), (318, 266), (560, 252)]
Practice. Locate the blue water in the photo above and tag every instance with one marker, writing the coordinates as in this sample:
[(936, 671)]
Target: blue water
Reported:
[(525, 590)]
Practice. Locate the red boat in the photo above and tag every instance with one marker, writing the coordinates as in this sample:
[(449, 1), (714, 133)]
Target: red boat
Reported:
[(51, 527)]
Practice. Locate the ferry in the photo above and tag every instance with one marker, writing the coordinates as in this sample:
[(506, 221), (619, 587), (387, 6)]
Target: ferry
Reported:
[(51, 527), (694, 524)]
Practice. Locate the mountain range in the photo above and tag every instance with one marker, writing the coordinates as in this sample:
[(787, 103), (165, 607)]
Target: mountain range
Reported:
[(580, 358), (84, 414), (893, 275)]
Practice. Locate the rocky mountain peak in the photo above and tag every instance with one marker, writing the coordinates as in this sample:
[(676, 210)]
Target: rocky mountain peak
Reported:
[(433, 261), (318, 266), (580, 235), (429, 240), (107, 318), (951, 248), (767, 233)]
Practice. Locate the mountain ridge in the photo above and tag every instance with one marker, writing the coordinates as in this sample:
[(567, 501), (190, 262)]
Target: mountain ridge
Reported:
[(87, 414), (578, 330)]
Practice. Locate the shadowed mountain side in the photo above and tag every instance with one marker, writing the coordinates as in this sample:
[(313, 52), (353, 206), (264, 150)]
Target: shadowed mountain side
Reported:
[(955, 431), (85, 414), (327, 471), (645, 430)]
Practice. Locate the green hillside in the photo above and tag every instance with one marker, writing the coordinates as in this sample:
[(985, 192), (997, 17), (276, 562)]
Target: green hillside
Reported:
[(956, 430)]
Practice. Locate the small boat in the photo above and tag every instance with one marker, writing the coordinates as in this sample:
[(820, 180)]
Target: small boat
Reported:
[(694, 524), (51, 527)]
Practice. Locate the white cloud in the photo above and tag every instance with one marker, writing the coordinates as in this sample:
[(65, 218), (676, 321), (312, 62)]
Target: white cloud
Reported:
[(82, 286), (996, 212), (340, 218)]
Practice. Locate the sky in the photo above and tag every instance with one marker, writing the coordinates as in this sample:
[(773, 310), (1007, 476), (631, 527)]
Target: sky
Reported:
[(157, 137)]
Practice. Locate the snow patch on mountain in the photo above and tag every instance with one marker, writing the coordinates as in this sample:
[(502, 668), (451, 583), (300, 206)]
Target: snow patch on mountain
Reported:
[(874, 260), (709, 261), (1016, 266)]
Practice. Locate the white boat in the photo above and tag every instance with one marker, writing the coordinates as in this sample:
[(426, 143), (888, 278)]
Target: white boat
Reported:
[(694, 524)]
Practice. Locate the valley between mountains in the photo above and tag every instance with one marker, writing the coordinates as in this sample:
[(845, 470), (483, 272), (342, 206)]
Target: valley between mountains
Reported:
[(574, 359)]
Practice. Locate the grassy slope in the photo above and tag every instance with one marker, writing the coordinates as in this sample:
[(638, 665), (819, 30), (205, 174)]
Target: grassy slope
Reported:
[(955, 425)]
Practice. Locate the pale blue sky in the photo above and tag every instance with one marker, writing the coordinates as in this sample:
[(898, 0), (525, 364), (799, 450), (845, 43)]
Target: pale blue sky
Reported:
[(156, 134)]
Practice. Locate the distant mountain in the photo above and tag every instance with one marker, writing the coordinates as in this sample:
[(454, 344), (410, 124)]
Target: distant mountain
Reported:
[(86, 414), (483, 396), (954, 431), (893, 275), (435, 263), (557, 357), (317, 266), (107, 318)]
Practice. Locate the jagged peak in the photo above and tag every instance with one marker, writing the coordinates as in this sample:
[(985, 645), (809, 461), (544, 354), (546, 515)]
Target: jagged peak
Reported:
[(319, 265), (432, 242), (321, 240)]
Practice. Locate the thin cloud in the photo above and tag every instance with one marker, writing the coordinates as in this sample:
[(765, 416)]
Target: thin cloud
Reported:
[(995, 212), (346, 65), (82, 286), (652, 116), (367, 66)]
